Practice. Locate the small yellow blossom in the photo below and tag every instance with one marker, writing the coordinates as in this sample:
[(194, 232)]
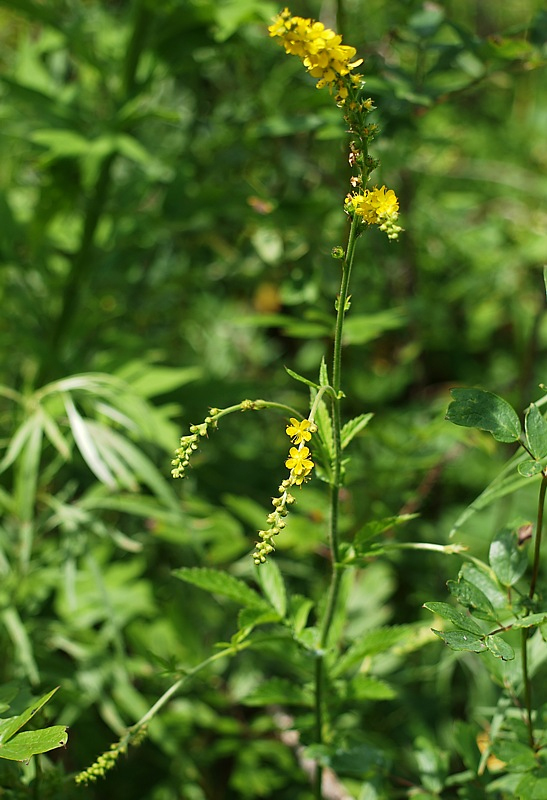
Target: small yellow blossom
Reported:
[(376, 207), (320, 49), (298, 431), (299, 463)]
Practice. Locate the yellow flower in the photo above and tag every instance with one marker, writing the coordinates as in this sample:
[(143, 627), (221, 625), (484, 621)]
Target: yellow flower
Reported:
[(320, 49), (376, 207), (299, 464), (298, 431)]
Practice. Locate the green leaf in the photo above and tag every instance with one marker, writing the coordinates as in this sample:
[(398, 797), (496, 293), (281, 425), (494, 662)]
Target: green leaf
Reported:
[(299, 611), (375, 527), (222, 583), (323, 373), (324, 428), (460, 620), (281, 691), (475, 408), (9, 727), (462, 640), (499, 648), (86, 444), (484, 580), (371, 643), (365, 687), (531, 620), (507, 558), (271, 582), (363, 328), (530, 468), (471, 597), (29, 743), (536, 432), (300, 378), (353, 427)]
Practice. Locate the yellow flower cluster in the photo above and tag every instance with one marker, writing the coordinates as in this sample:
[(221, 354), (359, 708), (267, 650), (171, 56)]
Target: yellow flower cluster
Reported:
[(376, 207), (300, 465), (320, 49)]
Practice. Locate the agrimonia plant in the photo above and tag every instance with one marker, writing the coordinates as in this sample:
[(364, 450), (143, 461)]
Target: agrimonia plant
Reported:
[(326, 670), (308, 633)]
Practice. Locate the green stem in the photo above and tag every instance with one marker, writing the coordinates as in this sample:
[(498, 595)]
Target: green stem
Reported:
[(525, 632), (539, 528), (337, 568)]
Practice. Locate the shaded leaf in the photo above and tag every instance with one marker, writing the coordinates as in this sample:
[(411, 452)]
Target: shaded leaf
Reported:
[(221, 583), (272, 584), (353, 427), (471, 597), (461, 640), (507, 558), (460, 620), (279, 690), (475, 408), (536, 431), (499, 648)]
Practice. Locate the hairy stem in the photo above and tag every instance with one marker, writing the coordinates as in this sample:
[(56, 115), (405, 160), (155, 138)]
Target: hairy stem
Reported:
[(336, 575)]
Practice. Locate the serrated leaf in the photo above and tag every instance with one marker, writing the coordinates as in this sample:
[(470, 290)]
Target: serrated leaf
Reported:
[(507, 558), (476, 408), (370, 643), (375, 527), (353, 427), (279, 691), (536, 432), (300, 378), (222, 583), (29, 743), (471, 597), (323, 373), (499, 648), (324, 429), (457, 618), (272, 584), (462, 640)]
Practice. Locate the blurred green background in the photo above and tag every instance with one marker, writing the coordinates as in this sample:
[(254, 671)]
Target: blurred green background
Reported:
[(171, 186)]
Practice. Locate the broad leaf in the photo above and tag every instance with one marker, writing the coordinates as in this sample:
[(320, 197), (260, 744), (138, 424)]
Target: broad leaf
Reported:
[(29, 743), (462, 640), (507, 558), (530, 468), (475, 408), (272, 584), (222, 583), (485, 580), (9, 727)]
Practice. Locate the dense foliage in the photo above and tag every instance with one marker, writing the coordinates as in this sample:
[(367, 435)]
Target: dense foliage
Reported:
[(171, 188)]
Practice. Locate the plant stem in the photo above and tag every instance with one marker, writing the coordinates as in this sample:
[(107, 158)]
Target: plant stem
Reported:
[(525, 632), (337, 569), (539, 527)]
